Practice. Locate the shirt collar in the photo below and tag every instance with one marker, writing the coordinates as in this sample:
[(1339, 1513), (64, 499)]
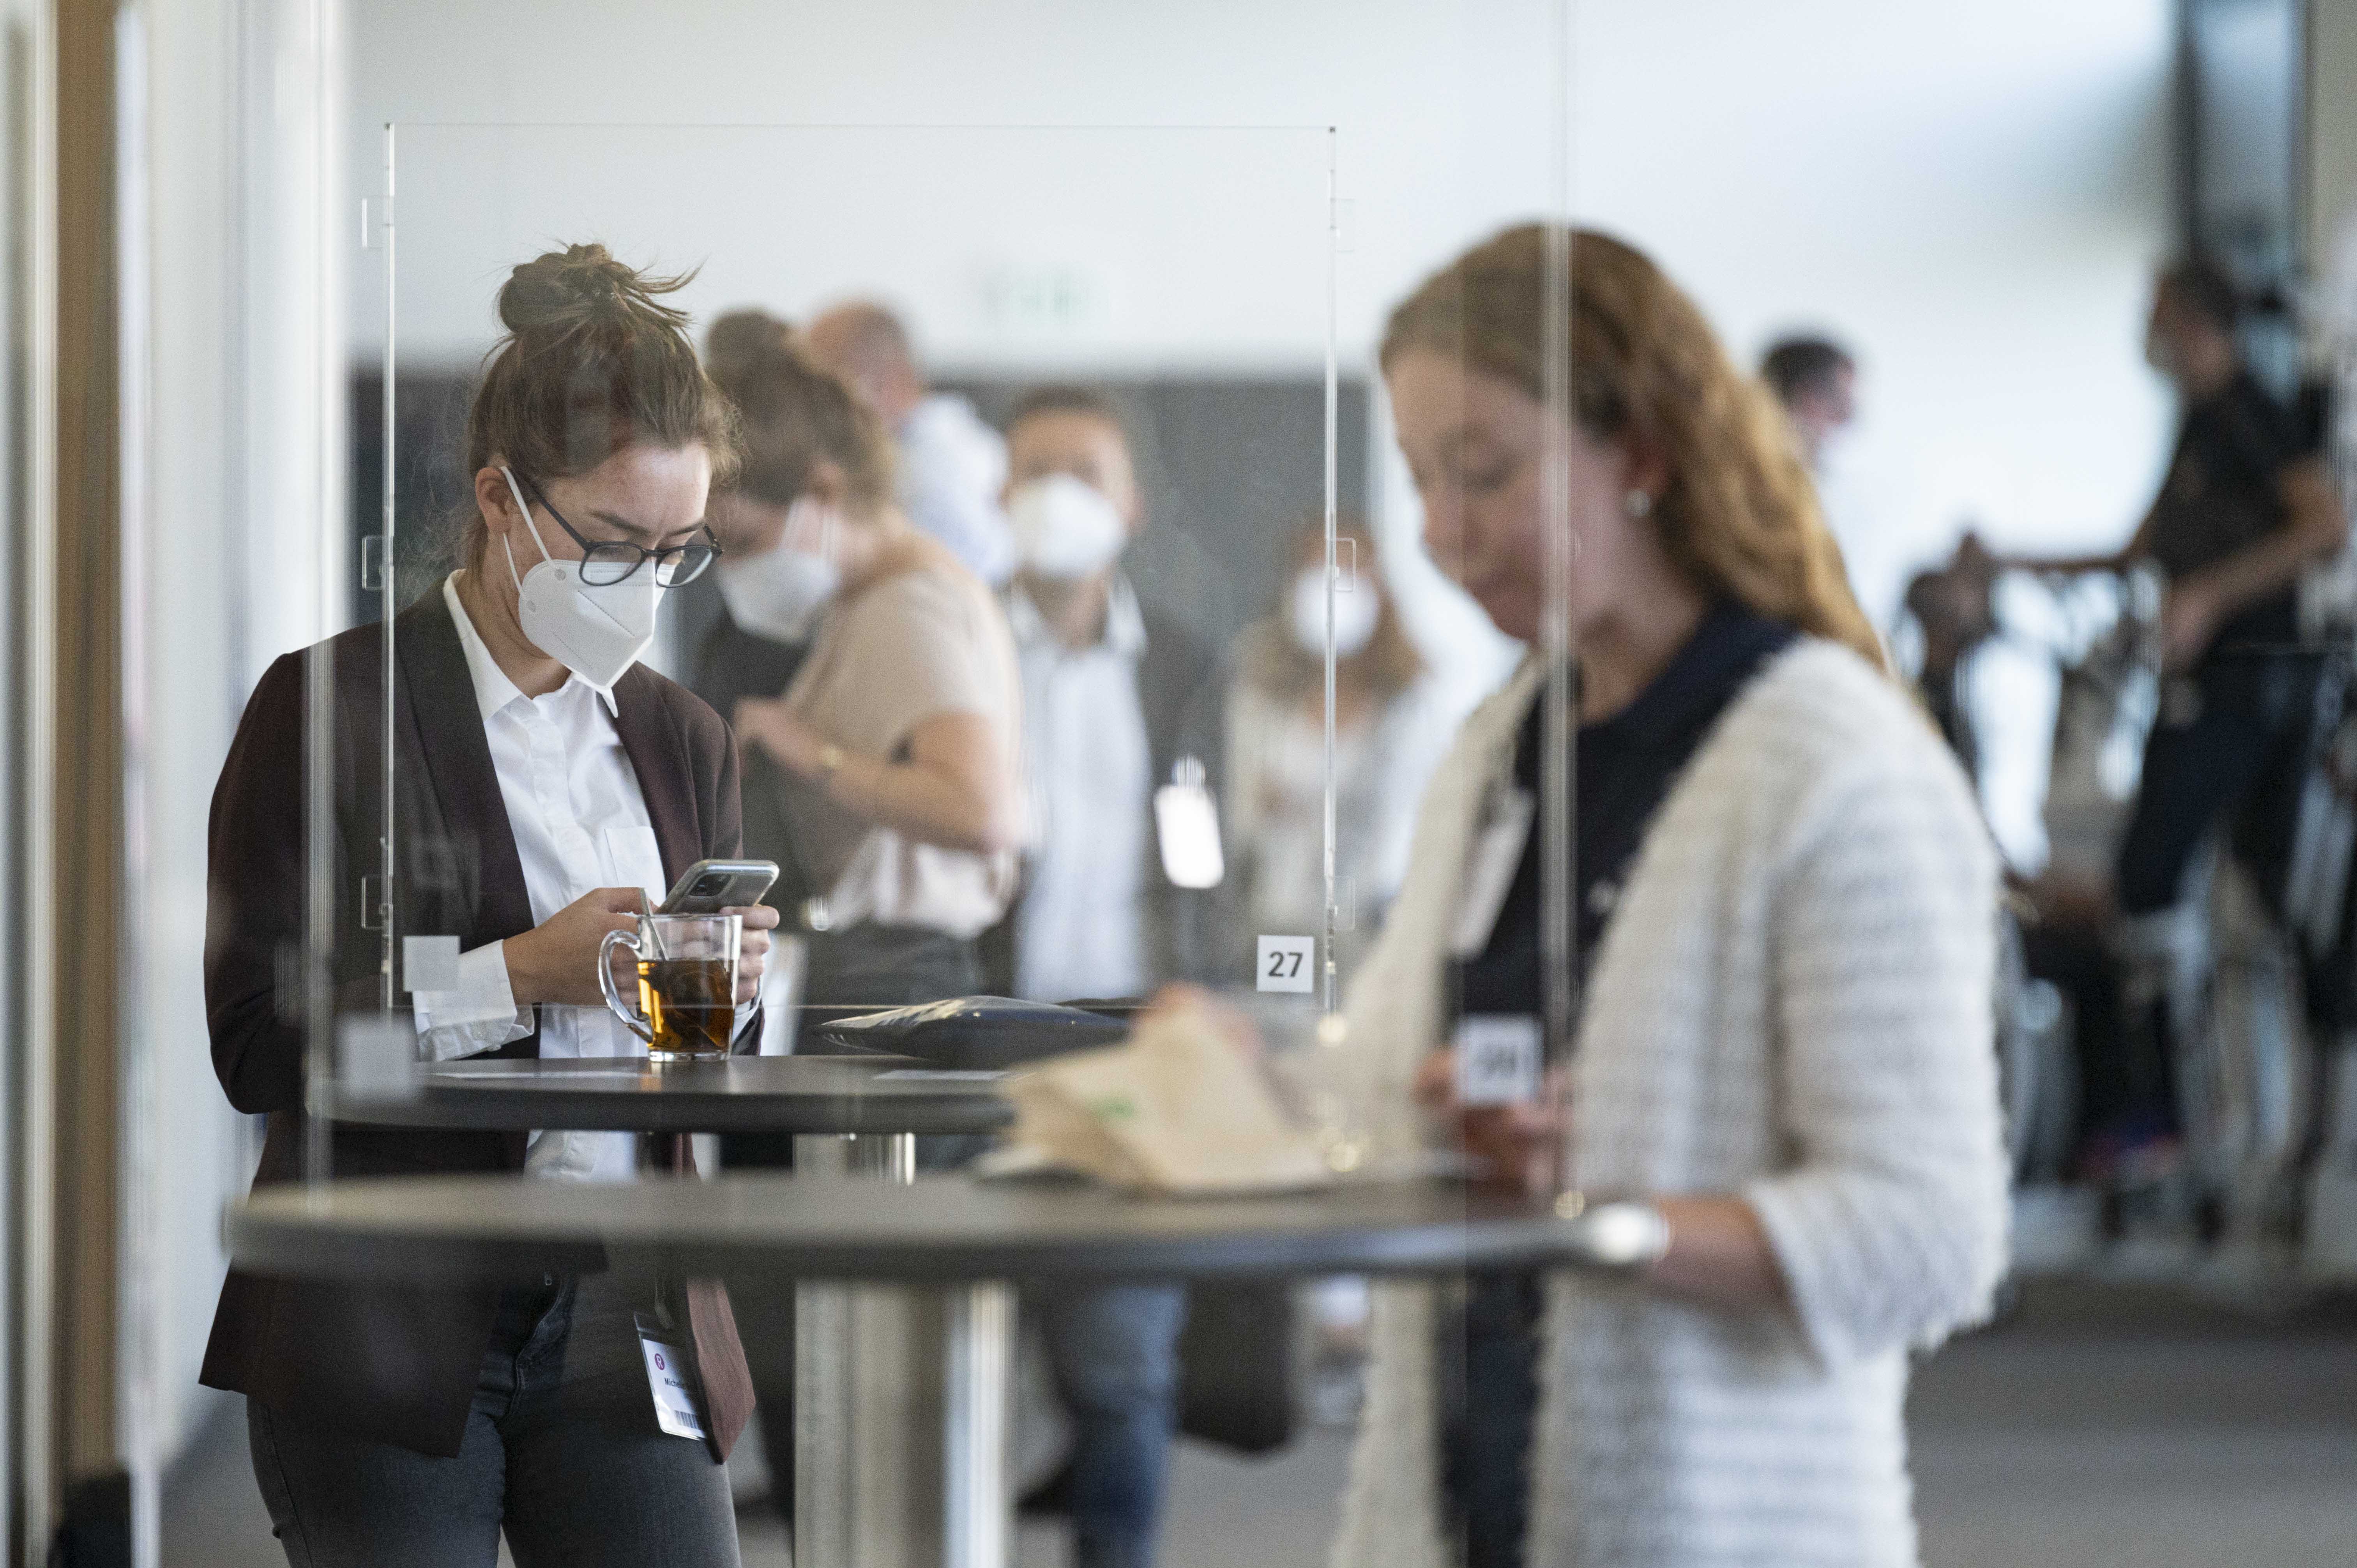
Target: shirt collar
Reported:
[(493, 690), (1124, 622)]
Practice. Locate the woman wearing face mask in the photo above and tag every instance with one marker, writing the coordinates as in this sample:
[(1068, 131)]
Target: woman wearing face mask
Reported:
[(548, 785), (883, 777), (1389, 731), (1784, 913)]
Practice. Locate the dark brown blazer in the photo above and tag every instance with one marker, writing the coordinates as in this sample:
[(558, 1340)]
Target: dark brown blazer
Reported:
[(390, 1363)]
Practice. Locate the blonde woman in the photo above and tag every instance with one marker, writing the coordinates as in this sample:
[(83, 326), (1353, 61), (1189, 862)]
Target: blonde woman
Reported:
[(1784, 906)]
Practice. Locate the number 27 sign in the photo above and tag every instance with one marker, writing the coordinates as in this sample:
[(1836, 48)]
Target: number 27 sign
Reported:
[(1286, 963)]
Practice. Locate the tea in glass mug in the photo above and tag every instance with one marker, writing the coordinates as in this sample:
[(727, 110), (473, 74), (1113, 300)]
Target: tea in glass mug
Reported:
[(687, 983)]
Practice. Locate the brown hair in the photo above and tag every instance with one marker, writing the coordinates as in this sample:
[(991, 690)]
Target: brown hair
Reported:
[(593, 362), (1087, 401), (1739, 517), (1389, 660), (795, 414)]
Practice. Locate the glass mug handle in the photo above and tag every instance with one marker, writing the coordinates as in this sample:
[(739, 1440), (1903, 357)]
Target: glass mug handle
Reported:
[(630, 1019)]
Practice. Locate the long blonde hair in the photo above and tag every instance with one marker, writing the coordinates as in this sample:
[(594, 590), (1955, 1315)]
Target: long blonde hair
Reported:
[(1739, 517)]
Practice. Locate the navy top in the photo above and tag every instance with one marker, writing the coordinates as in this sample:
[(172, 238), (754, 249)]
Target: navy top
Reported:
[(1623, 768), (2222, 496)]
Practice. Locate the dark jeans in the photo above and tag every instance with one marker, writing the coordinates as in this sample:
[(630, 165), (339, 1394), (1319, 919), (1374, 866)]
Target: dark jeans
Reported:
[(2125, 1076), (2232, 736), (1490, 1395), (561, 1451), (1115, 1351)]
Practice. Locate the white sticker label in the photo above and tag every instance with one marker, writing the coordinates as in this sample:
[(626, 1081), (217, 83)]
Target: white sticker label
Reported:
[(376, 1055), (430, 963), (1497, 1059), (1286, 963), (674, 1398)]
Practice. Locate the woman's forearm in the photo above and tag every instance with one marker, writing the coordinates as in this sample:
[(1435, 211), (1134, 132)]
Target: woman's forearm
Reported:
[(1718, 1255), (921, 803)]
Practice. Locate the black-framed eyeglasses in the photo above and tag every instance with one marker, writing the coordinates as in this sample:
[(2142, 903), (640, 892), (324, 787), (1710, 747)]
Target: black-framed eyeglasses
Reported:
[(605, 562)]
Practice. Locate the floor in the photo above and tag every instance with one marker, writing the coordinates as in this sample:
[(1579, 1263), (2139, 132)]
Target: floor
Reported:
[(2094, 1426)]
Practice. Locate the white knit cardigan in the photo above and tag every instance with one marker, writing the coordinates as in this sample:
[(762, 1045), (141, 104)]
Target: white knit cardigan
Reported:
[(1791, 1003)]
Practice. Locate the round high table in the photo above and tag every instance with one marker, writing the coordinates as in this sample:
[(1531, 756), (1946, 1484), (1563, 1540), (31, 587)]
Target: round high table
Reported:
[(889, 1381), (948, 1235), (869, 1096)]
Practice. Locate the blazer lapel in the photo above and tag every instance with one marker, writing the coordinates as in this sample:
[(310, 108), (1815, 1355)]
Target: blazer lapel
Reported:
[(659, 755), (457, 762)]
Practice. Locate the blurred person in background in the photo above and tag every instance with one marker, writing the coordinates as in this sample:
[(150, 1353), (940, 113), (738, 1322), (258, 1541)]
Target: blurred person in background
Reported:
[(2244, 508), (1783, 900), (884, 780), (1815, 381), (1118, 697), (951, 465), (757, 641), (1389, 732), (414, 1424)]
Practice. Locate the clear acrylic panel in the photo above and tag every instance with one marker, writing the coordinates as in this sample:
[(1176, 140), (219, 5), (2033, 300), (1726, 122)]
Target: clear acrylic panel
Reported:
[(1078, 302)]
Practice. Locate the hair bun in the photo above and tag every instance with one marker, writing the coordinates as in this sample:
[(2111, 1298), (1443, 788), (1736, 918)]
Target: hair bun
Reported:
[(567, 288)]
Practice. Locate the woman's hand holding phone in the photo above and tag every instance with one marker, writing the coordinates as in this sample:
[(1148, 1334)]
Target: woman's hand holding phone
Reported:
[(556, 961)]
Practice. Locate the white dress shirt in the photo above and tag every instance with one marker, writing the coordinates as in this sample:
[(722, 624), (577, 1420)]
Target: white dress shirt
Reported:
[(1085, 747), (580, 823)]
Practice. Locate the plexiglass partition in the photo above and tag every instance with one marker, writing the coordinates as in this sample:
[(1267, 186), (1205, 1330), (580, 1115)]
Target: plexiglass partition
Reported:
[(1022, 610), (1160, 300), (1055, 609)]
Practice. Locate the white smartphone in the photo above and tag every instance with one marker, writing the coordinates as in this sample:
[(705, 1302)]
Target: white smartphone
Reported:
[(711, 886)]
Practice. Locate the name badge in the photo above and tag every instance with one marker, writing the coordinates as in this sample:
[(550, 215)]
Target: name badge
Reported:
[(1186, 825), (671, 1379), (1489, 870), (1497, 1059)]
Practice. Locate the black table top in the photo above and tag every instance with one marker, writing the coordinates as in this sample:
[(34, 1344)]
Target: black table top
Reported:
[(734, 1094), (776, 1230)]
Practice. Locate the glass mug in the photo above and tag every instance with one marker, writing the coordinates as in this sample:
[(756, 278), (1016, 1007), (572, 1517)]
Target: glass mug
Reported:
[(687, 983)]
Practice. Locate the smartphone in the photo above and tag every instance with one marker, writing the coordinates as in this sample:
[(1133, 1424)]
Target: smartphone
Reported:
[(711, 886)]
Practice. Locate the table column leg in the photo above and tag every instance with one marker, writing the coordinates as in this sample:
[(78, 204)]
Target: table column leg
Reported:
[(904, 1398)]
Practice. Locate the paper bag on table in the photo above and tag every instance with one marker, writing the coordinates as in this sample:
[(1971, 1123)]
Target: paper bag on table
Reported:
[(1178, 1107)]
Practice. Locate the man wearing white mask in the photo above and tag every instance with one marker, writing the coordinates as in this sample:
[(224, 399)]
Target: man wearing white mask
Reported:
[(1117, 699), (951, 465)]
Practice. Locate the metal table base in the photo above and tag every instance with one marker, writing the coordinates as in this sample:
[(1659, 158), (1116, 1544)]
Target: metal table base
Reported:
[(903, 1405)]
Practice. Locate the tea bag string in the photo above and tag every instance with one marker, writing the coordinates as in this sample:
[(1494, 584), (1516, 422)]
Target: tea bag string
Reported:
[(654, 935)]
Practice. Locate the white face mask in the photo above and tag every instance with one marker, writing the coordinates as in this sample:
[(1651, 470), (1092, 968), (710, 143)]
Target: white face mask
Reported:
[(1064, 528), (598, 632), (779, 593), (1355, 613)]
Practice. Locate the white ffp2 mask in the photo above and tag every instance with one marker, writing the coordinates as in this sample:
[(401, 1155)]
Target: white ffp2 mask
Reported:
[(779, 593), (596, 631), (1064, 528), (1355, 613)]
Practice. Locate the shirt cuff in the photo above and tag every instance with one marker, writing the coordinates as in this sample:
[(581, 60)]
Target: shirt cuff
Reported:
[(479, 1014)]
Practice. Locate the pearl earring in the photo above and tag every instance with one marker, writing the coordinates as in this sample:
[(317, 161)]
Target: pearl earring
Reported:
[(1638, 504)]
